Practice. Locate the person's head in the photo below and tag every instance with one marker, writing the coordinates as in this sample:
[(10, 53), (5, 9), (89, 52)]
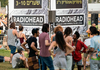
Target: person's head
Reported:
[(60, 40), (12, 25), (67, 31), (45, 28), (94, 25), (20, 50), (58, 28), (5, 16), (76, 35), (93, 31), (20, 28), (35, 32)]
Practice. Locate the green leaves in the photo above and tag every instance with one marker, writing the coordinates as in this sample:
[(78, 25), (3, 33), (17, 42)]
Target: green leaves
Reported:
[(4, 3)]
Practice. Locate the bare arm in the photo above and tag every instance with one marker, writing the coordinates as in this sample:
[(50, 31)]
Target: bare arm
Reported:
[(33, 47), (69, 47), (53, 44), (47, 43), (91, 50), (51, 38), (24, 37), (22, 58), (23, 45)]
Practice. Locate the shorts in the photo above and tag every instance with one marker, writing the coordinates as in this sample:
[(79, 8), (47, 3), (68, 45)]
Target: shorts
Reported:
[(13, 49), (2, 59), (78, 63), (55, 67), (85, 55), (20, 64)]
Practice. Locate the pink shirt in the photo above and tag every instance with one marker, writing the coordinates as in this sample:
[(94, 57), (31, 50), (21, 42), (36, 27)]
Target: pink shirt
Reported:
[(43, 48)]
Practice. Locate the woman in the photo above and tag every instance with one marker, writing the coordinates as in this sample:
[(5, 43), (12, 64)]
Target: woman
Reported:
[(56, 29), (44, 43), (68, 39), (78, 45), (12, 33), (59, 51), (21, 34)]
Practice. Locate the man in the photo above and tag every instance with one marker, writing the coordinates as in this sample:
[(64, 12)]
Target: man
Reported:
[(19, 60), (32, 43), (11, 37), (94, 49), (44, 42), (88, 31)]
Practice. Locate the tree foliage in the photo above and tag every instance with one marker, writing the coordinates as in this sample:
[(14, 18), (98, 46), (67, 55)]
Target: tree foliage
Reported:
[(4, 3)]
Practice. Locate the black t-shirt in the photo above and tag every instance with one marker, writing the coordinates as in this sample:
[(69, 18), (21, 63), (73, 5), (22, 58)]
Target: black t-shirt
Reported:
[(29, 41)]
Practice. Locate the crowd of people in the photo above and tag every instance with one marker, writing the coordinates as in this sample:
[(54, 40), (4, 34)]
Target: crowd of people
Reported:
[(62, 52), (3, 24)]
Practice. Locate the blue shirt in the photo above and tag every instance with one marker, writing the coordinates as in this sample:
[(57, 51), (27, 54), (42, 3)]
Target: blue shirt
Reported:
[(95, 43)]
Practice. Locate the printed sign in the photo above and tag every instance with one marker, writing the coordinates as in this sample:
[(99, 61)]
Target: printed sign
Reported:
[(27, 4), (28, 20), (69, 20), (64, 4)]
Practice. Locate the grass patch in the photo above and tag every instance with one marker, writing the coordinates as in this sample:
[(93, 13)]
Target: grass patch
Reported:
[(6, 65)]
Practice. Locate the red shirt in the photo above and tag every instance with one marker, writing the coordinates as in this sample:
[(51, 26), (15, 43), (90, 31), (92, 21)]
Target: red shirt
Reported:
[(77, 55)]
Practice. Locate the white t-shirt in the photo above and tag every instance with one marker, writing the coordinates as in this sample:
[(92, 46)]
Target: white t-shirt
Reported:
[(87, 42)]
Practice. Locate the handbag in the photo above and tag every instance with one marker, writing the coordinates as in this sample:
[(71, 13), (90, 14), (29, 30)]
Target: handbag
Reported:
[(33, 63)]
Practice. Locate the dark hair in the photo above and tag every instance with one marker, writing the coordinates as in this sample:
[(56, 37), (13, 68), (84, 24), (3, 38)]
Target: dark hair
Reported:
[(60, 40), (45, 27), (19, 50), (77, 34), (34, 30), (94, 30), (20, 28), (12, 25), (67, 31), (5, 16)]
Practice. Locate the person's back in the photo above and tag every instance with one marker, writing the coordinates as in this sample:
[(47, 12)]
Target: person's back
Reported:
[(21, 40), (69, 39), (43, 48), (29, 41), (59, 60), (16, 60), (22, 36), (44, 43), (11, 37), (96, 41), (59, 53)]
